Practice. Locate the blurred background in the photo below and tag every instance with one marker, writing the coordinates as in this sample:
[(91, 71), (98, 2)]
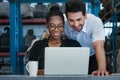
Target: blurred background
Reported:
[(22, 21)]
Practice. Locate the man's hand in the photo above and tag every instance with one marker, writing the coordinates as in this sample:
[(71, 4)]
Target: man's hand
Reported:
[(100, 73), (101, 59)]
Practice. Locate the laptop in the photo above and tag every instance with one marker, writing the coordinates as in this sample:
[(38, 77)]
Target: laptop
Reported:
[(66, 60)]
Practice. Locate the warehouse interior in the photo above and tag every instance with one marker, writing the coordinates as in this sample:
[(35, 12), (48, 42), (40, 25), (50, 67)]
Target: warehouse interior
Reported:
[(22, 21)]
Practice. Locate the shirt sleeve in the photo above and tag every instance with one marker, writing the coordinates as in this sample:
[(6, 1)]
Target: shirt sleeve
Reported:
[(34, 52), (98, 30)]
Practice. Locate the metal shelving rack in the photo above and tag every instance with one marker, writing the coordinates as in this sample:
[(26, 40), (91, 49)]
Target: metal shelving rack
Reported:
[(16, 30), (114, 20)]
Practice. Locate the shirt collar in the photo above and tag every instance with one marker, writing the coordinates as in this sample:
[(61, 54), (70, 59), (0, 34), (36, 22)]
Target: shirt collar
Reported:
[(84, 28)]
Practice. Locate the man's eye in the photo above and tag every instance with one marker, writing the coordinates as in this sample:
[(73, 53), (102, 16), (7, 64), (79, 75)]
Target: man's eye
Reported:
[(71, 20), (78, 19)]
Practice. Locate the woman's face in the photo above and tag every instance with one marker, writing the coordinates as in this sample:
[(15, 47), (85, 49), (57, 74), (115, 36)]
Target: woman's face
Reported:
[(55, 27)]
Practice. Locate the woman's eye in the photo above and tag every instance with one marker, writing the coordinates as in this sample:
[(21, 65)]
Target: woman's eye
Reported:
[(60, 26), (52, 26)]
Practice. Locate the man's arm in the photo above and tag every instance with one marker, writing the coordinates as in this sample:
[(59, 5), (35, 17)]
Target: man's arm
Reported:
[(101, 59)]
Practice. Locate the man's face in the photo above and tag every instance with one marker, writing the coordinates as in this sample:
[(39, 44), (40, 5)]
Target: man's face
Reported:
[(76, 20)]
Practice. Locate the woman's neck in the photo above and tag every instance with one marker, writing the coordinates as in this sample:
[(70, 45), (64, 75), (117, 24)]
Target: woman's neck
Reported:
[(54, 43)]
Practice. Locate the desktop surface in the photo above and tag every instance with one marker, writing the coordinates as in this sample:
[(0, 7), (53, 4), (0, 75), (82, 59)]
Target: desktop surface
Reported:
[(87, 77)]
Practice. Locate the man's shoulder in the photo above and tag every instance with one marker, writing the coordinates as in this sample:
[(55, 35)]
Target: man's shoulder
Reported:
[(92, 17), (93, 20)]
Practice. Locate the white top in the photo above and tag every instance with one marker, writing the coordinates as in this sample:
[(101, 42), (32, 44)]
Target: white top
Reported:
[(92, 31)]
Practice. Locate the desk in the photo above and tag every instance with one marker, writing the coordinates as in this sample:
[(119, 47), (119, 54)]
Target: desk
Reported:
[(20, 77), (20, 56)]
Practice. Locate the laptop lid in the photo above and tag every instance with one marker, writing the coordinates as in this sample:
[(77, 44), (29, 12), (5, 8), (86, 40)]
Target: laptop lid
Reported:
[(66, 60)]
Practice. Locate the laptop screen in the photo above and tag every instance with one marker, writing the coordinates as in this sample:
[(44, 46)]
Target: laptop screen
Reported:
[(66, 60)]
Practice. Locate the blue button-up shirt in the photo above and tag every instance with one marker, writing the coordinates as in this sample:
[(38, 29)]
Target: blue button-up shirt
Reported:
[(92, 31)]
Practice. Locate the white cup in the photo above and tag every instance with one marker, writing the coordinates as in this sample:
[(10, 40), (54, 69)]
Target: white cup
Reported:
[(32, 68)]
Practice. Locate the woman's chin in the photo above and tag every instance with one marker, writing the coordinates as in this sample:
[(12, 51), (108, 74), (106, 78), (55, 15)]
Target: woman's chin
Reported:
[(56, 37)]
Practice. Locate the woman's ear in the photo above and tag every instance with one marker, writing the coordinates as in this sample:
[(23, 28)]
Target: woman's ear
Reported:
[(46, 25)]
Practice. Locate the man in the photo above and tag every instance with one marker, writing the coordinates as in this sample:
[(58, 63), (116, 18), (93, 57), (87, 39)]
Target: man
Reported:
[(88, 30)]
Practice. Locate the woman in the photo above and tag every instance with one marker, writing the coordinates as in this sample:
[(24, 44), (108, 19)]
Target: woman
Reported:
[(55, 26)]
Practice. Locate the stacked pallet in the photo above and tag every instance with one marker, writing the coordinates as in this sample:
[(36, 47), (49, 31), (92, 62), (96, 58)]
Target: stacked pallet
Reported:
[(4, 10), (107, 10), (26, 10)]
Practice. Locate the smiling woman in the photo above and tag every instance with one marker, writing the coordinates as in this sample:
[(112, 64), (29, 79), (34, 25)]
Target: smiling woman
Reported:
[(55, 26)]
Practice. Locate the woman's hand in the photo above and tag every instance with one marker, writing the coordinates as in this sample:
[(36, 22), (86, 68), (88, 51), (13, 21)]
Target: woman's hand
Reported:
[(40, 72)]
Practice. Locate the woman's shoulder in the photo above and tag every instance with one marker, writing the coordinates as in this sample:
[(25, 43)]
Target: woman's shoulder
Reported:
[(40, 42)]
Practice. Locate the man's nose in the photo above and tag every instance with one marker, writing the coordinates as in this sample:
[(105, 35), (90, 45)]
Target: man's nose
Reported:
[(75, 24)]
